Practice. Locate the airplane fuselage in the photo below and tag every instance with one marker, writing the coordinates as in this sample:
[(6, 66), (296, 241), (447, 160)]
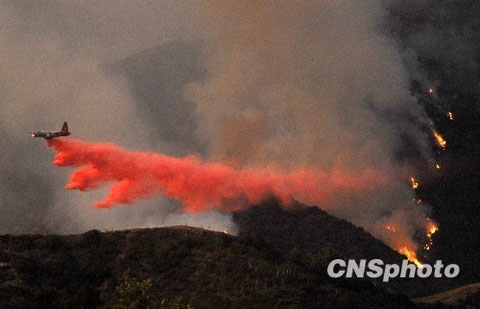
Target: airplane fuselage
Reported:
[(51, 134)]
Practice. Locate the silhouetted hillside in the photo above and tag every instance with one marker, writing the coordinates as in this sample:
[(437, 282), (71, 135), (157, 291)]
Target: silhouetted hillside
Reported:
[(279, 259), (311, 229), (169, 267), (313, 233)]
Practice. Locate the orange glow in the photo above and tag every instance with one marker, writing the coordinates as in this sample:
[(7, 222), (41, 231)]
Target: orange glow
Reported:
[(391, 228), (225, 231), (441, 142), (437, 166), (430, 231), (430, 90), (414, 183), (433, 228), (450, 115), (411, 255)]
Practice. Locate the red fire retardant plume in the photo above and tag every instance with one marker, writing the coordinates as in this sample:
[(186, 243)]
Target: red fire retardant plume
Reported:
[(199, 185)]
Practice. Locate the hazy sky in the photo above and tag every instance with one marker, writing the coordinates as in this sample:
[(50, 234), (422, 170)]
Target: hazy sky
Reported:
[(106, 30), (54, 65)]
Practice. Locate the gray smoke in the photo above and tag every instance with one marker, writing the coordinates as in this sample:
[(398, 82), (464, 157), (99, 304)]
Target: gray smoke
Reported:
[(317, 84), (56, 64)]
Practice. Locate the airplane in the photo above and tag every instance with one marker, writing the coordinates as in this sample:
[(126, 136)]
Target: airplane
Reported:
[(51, 134)]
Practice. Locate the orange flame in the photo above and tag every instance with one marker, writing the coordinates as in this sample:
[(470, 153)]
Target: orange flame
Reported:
[(441, 142), (431, 230), (450, 115), (414, 183), (391, 228), (411, 256)]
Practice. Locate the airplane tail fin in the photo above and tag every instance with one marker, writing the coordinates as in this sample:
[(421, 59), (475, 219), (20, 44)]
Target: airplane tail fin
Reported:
[(65, 127)]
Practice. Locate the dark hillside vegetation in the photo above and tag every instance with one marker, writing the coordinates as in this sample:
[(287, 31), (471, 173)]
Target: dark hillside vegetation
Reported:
[(319, 237), (170, 267), (278, 260)]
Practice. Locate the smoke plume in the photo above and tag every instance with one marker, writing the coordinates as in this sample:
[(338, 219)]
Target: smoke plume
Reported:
[(317, 84)]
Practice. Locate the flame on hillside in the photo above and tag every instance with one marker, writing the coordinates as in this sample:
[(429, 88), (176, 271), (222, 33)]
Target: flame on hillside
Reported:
[(414, 183), (431, 230), (450, 115), (391, 228), (441, 142), (411, 255)]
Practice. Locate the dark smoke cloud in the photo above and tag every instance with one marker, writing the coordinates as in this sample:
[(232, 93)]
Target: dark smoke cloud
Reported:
[(443, 38)]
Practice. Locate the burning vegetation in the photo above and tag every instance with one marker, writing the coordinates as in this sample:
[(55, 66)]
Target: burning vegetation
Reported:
[(431, 230), (391, 228), (450, 115), (411, 255), (414, 183), (441, 142)]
